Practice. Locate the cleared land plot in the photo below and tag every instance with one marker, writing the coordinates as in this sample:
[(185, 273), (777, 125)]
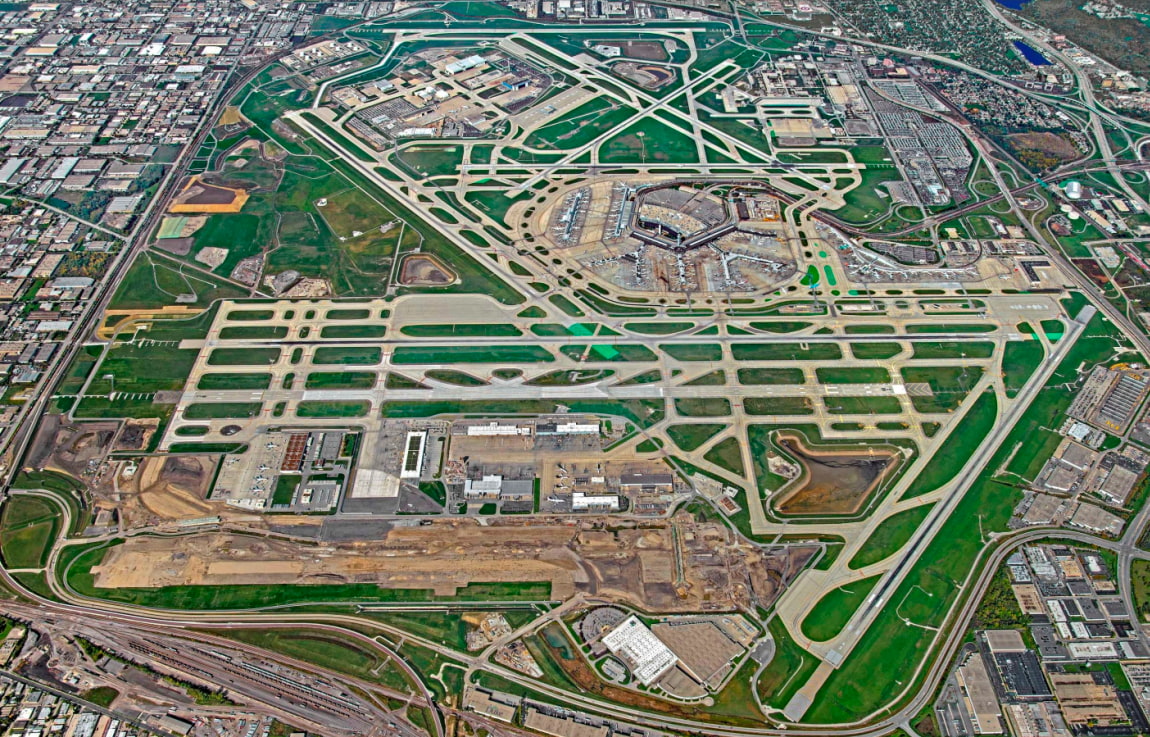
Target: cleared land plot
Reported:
[(1020, 358)]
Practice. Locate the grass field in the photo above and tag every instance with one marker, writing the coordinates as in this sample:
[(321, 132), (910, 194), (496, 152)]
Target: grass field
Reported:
[(880, 405), (693, 351), (875, 351), (340, 380), (1020, 359), (727, 454), (963, 441), (705, 407), (832, 612), (891, 534), (787, 671), (778, 406), (28, 527), (243, 356), (852, 375), (949, 385), (406, 355), (760, 376), (863, 684), (352, 332), (222, 410), (690, 437), (317, 408), (235, 381), (940, 351), (465, 330), (341, 355), (786, 352)]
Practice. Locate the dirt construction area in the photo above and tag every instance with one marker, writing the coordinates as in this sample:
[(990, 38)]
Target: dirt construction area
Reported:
[(421, 270), (834, 481), (164, 489), (699, 567)]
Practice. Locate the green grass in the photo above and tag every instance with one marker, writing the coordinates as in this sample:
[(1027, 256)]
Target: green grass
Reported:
[(760, 376), (889, 537), (1140, 579), (690, 437), (786, 352), (875, 351), (940, 351), (727, 454), (406, 355), (832, 612), (879, 405), (949, 385), (28, 527), (693, 351), (787, 671), (1020, 359), (340, 380), (864, 682), (852, 375), (153, 281), (458, 378), (351, 332), (658, 328), (465, 330), (703, 407), (284, 493), (253, 332), (343, 355), (252, 382), (318, 408), (778, 406), (963, 441), (102, 696), (249, 356), (222, 410), (950, 328)]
